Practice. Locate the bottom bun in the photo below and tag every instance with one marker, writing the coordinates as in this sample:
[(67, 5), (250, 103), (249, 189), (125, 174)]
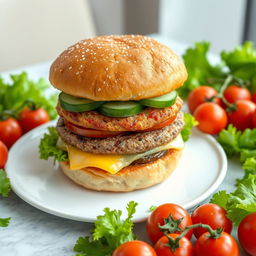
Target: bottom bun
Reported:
[(129, 178)]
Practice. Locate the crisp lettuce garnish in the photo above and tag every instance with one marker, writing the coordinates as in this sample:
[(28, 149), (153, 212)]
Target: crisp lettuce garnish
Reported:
[(241, 202), (237, 143), (189, 122), (241, 63), (108, 233), (5, 188), (13, 95), (200, 70), (48, 148), (4, 222)]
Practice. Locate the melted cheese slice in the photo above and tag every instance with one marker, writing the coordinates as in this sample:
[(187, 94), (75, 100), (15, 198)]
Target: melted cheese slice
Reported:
[(113, 163)]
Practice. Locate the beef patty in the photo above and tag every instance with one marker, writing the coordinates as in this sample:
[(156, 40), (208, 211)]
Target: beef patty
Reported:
[(128, 143), (148, 118)]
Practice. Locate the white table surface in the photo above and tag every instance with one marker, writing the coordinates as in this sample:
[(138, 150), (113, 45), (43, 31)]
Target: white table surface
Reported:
[(33, 232)]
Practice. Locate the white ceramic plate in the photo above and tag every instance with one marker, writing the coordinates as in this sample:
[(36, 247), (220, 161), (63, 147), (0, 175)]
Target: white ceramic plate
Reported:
[(38, 182)]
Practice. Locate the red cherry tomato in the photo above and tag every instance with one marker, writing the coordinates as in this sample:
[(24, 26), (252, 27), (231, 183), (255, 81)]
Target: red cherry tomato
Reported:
[(247, 234), (3, 154), (185, 247), (225, 245), (211, 118), (10, 131), (90, 132), (163, 212), (30, 119), (200, 95), (254, 97), (134, 248), (241, 118), (213, 215), (234, 93), (254, 119)]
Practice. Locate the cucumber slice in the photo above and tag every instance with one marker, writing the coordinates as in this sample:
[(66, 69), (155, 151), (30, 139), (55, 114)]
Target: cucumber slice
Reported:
[(75, 104), (120, 108), (163, 101)]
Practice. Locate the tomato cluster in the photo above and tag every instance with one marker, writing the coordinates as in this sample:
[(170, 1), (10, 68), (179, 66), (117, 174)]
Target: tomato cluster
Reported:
[(170, 227), (11, 129), (214, 111)]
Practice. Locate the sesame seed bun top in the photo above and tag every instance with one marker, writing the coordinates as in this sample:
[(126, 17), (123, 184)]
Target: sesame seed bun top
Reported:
[(119, 68)]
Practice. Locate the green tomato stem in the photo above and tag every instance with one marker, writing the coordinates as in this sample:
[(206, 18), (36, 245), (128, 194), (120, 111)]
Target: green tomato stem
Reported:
[(213, 233), (223, 88), (7, 114)]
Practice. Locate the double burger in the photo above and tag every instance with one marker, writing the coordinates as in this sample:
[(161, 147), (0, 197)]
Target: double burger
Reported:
[(120, 118)]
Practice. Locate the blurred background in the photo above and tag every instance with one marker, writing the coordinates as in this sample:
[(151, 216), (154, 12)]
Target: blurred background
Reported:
[(38, 30)]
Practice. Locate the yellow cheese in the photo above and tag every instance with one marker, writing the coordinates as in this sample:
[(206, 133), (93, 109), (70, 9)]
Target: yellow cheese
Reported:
[(113, 163)]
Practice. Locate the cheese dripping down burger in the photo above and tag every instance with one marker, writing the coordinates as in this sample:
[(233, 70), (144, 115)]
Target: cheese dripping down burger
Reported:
[(120, 118)]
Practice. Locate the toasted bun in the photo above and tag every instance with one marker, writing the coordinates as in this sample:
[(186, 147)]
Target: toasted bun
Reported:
[(120, 68), (129, 178)]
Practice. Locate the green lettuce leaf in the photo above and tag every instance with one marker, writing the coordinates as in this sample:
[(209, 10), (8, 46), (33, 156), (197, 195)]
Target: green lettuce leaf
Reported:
[(48, 148), (4, 222), (14, 94), (5, 186), (229, 138), (242, 201), (242, 55), (189, 122), (238, 143), (109, 232), (250, 165), (242, 62), (200, 71), (220, 198)]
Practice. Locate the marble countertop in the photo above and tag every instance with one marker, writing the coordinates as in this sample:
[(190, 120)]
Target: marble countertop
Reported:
[(33, 232)]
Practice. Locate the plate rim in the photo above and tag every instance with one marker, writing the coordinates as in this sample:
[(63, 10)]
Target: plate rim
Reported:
[(217, 182)]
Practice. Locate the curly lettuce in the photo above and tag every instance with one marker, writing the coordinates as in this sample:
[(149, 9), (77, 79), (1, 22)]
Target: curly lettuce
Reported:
[(240, 62), (189, 123), (108, 233), (48, 146), (13, 95)]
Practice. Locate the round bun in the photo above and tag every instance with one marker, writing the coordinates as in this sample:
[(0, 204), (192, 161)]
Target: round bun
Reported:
[(120, 68), (129, 178)]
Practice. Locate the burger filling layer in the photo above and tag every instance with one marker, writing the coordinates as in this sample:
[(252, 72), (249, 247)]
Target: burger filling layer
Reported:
[(113, 163)]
